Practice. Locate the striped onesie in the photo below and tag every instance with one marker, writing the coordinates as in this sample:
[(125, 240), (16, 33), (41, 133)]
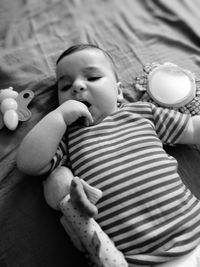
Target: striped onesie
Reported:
[(145, 209)]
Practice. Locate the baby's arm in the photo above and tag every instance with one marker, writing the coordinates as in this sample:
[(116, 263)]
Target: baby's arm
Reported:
[(40, 144), (191, 134)]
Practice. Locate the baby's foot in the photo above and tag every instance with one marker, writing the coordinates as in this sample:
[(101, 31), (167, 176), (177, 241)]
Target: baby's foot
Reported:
[(93, 193), (80, 199)]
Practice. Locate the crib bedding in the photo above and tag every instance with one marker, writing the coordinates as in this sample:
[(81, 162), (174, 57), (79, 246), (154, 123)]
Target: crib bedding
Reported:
[(32, 35)]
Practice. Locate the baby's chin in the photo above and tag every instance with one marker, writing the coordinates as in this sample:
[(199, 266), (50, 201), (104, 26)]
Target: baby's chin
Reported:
[(98, 119)]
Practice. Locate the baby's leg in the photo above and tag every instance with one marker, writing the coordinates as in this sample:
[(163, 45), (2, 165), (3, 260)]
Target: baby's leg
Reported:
[(81, 195), (61, 182)]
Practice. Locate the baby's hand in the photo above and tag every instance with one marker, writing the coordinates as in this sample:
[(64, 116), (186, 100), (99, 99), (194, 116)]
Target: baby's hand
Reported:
[(73, 110)]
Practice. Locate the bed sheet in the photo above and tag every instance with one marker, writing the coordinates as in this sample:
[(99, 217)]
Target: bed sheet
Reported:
[(32, 35)]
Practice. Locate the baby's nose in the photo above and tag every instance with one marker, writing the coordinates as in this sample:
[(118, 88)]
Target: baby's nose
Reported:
[(78, 87)]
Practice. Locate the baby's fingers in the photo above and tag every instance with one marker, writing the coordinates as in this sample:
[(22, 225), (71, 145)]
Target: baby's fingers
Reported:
[(87, 118)]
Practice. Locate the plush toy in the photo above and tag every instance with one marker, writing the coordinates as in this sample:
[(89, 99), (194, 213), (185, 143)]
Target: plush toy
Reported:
[(85, 233), (13, 107), (170, 86)]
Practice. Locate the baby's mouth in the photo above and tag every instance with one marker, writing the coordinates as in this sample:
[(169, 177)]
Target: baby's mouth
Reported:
[(88, 105)]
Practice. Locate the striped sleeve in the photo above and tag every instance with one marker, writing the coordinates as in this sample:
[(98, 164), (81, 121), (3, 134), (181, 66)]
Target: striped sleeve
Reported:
[(60, 157), (169, 124)]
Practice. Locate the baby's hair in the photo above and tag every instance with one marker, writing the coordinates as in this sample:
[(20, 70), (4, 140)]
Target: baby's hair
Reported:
[(79, 47)]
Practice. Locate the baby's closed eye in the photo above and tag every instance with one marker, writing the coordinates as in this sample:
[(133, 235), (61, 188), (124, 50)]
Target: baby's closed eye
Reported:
[(66, 87), (94, 78)]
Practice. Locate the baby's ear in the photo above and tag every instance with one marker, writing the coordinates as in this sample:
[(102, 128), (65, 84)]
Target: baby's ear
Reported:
[(120, 92)]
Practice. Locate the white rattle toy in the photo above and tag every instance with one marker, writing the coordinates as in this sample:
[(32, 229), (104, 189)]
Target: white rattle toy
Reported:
[(85, 233), (13, 107)]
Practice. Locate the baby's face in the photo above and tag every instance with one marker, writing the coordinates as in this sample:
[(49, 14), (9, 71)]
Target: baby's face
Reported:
[(87, 76)]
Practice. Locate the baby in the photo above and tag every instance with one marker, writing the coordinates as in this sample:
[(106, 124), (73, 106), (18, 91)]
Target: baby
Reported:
[(118, 148)]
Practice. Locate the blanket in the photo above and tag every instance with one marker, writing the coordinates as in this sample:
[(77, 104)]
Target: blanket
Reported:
[(32, 35)]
